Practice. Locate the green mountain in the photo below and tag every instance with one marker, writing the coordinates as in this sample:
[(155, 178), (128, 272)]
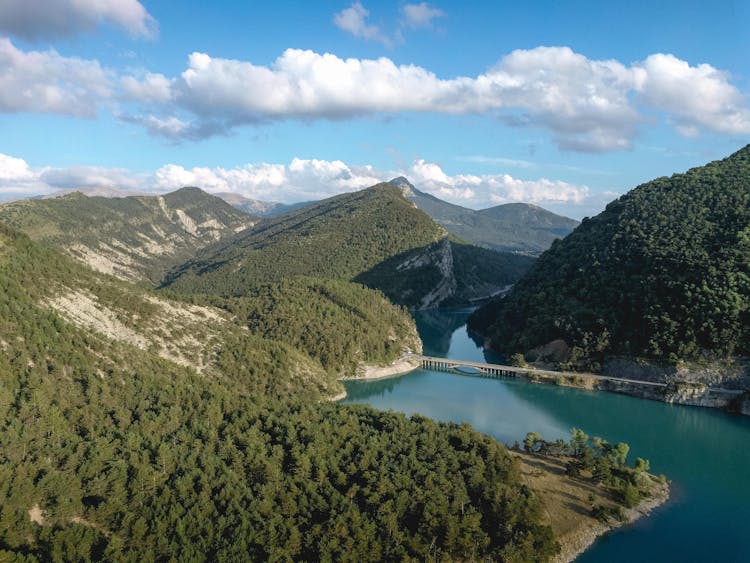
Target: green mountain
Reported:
[(374, 237), (663, 273), (135, 238), (136, 427), (354, 326), (513, 227)]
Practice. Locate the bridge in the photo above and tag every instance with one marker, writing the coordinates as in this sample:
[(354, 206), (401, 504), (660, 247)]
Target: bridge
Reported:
[(498, 370), (645, 389), (491, 370)]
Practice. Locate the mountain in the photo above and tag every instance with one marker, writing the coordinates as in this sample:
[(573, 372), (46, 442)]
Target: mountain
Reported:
[(662, 273), (374, 237), (136, 427), (259, 208), (361, 326), (135, 238), (513, 227)]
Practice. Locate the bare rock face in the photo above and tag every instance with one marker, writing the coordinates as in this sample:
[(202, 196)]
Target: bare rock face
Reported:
[(137, 238), (733, 375)]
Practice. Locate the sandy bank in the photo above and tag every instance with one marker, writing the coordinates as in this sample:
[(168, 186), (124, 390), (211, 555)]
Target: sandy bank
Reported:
[(567, 503), (398, 367)]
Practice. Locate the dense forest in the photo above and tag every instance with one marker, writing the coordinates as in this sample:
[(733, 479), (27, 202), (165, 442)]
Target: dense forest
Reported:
[(111, 452), (662, 273), (342, 325), (374, 237)]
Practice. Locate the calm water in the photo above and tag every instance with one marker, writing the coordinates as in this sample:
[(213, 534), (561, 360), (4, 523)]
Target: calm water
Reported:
[(703, 452)]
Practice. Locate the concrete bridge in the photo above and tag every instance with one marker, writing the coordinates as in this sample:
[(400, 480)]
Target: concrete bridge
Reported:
[(490, 370), (671, 393), (499, 370)]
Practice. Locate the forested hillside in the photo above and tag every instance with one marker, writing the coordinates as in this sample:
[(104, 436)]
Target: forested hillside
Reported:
[(662, 273), (342, 325), (519, 228), (135, 238), (373, 236), (115, 450)]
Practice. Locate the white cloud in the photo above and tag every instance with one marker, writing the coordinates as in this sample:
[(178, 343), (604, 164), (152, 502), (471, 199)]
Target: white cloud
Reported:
[(300, 180), (587, 105), (354, 20), (698, 97), (479, 191), (18, 179), (14, 169), (420, 15), (84, 177), (151, 88), (45, 19), (46, 82)]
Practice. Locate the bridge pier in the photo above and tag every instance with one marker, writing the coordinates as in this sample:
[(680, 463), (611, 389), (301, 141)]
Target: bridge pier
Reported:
[(493, 371)]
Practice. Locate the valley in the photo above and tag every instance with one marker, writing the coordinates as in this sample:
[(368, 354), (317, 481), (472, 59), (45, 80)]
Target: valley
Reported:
[(239, 332)]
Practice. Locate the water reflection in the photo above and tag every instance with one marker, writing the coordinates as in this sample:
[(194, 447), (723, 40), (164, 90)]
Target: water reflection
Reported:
[(703, 451)]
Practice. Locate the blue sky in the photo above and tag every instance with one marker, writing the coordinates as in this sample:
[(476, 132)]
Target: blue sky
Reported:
[(563, 104)]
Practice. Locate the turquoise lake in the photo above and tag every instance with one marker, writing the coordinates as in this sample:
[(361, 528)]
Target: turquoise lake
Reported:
[(704, 452)]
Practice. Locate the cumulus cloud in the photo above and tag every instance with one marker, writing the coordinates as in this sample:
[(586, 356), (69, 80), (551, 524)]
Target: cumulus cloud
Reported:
[(478, 191), (354, 20), (151, 88), (420, 15), (18, 179), (42, 19), (587, 105), (298, 180), (309, 179), (46, 82), (14, 169), (697, 97)]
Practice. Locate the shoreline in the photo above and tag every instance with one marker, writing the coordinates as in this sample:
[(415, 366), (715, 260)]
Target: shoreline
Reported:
[(590, 536), (567, 503), (370, 372), (400, 366)]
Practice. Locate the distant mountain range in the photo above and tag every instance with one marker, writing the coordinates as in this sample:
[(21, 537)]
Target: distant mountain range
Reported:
[(374, 236), (259, 208), (513, 227)]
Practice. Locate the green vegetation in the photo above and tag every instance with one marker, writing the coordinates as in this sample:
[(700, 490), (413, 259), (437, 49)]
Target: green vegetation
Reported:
[(374, 237), (32, 277), (112, 452), (340, 324), (337, 238), (662, 273), (519, 228), (135, 238), (604, 463)]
